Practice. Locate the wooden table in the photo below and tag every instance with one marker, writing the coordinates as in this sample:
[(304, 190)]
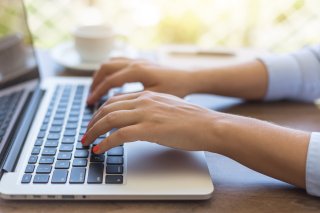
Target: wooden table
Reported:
[(237, 188)]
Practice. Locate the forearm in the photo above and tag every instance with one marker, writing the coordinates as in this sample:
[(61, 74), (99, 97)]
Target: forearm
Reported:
[(248, 80), (272, 150)]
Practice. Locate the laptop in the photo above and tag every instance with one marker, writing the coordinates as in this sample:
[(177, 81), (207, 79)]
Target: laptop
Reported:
[(42, 122)]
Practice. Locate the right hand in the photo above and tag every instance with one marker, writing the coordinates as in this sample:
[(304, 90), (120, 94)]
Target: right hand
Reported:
[(119, 71), (155, 117)]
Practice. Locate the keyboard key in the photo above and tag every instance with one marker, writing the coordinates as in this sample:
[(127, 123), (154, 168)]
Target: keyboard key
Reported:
[(114, 160), (75, 108), (59, 176), (33, 159), (41, 134), (63, 102), (61, 110), (49, 111), (97, 141), (80, 146), (74, 113), (26, 178), (55, 129), (59, 116), (114, 179), (77, 175), (114, 169), (29, 168), (62, 164), (41, 178), (84, 124), (66, 148), (49, 151), (79, 162), (73, 120), (97, 158), (43, 169), (71, 125), (46, 160), (89, 110), (103, 99), (57, 123), (64, 156), (51, 143), (87, 117), (95, 174), (36, 150), (46, 120), (68, 140), (83, 130), (70, 133), (77, 99), (81, 154), (112, 131), (38, 142), (53, 136), (44, 127), (116, 151), (80, 137)]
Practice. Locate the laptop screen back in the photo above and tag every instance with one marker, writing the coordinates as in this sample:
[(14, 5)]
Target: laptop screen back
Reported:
[(17, 58)]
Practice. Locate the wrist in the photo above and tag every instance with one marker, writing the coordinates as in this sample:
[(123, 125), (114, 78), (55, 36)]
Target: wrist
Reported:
[(220, 125), (187, 82), (201, 81), (228, 132)]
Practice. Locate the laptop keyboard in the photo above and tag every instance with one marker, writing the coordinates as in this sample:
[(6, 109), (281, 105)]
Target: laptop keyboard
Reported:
[(8, 105), (58, 156)]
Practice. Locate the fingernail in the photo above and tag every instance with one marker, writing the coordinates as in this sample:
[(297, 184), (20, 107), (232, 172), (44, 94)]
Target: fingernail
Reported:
[(83, 139), (95, 149)]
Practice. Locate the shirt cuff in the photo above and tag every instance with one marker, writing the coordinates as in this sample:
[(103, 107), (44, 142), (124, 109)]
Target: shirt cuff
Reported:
[(284, 76), (313, 165)]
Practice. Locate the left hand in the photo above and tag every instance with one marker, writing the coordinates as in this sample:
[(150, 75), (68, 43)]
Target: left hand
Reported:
[(155, 117)]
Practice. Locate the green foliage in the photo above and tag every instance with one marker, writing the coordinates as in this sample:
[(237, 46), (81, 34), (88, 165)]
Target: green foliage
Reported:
[(186, 28), (7, 15), (298, 4)]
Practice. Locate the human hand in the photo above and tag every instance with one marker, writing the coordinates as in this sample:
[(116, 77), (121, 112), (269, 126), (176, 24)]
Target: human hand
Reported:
[(155, 117), (153, 77)]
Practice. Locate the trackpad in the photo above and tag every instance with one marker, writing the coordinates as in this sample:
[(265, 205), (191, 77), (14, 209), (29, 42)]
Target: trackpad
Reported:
[(155, 161)]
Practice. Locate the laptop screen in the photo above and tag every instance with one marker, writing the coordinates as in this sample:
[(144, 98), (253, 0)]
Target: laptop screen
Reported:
[(17, 58)]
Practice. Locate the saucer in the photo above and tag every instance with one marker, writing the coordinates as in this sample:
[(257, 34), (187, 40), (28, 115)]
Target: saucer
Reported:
[(66, 55)]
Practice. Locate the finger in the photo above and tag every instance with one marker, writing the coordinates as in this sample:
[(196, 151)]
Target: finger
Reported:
[(115, 64), (117, 98), (115, 80), (118, 137), (122, 59), (132, 96), (116, 119), (107, 69), (122, 97), (104, 110)]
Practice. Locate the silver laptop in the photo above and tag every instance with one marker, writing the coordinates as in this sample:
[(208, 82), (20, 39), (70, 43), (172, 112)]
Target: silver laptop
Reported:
[(42, 121)]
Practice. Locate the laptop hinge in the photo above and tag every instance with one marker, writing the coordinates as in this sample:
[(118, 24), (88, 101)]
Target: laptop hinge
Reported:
[(18, 141)]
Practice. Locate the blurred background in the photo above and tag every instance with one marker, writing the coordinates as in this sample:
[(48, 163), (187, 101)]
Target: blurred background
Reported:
[(276, 26)]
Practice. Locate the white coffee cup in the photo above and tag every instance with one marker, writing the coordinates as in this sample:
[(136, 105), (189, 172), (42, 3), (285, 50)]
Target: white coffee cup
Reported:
[(94, 42)]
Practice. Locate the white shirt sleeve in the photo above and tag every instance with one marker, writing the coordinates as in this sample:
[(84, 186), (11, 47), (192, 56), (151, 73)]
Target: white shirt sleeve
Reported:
[(294, 76), (313, 165)]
